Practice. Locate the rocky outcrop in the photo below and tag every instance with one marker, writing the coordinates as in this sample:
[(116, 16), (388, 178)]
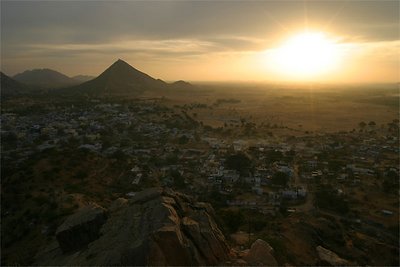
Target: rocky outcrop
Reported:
[(327, 256), (260, 254), (81, 228), (156, 227)]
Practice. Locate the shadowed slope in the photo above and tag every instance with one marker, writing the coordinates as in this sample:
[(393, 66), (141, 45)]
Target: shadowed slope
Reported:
[(10, 87), (44, 78)]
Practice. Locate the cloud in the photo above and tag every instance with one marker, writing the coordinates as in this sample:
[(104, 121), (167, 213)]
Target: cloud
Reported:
[(104, 21), (92, 33)]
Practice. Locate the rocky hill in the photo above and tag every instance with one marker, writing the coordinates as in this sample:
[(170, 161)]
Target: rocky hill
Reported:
[(155, 227), (119, 79)]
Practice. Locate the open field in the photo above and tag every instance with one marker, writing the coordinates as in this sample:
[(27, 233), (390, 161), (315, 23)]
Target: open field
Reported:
[(302, 108)]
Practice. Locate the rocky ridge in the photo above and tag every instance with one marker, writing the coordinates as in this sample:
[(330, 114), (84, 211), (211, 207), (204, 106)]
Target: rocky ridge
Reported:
[(155, 227)]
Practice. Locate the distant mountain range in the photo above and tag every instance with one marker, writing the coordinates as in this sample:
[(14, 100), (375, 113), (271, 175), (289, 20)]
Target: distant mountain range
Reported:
[(123, 79), (10, 87), (45, 79), (83, 78), (182, 85), (118, 79)]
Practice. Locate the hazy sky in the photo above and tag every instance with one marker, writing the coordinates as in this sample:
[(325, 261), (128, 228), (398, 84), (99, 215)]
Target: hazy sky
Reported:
[(196, 40)]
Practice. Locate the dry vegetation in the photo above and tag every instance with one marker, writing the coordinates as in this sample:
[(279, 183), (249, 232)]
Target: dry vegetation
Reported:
[(312, 107)]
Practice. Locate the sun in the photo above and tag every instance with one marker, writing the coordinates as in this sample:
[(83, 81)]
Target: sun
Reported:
[(306, 55)]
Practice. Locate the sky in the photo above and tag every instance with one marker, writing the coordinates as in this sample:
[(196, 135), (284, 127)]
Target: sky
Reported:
[(199, 40)]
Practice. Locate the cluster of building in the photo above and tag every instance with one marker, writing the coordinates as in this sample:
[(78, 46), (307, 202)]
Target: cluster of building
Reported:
[(160, 140)]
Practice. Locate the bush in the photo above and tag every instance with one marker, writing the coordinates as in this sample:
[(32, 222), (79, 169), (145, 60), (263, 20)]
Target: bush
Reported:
[(239, 162), (81, 175), (327, 198), (179, 181), (232, 220), (280, 178), (258, 224), (171, 159), (280, 250), (274, 155), (390, 182), (40, 200)]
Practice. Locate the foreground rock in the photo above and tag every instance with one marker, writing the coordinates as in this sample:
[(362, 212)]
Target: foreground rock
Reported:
[(81, 228), (155, 227), (327, 256), (260, 254)]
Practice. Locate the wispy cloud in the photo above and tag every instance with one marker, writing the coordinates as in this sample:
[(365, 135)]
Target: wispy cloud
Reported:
[(156, 48), (85, 36)]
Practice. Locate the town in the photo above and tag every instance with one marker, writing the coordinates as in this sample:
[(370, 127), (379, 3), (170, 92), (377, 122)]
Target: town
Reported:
[(61, 155)]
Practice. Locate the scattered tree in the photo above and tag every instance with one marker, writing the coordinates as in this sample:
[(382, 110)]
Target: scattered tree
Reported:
[(280, 178), (232, 220), (239, 162)]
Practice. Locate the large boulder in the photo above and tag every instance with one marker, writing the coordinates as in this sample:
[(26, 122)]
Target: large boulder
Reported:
[(260, 254), (81, 228), (327, 256), (156, 227)]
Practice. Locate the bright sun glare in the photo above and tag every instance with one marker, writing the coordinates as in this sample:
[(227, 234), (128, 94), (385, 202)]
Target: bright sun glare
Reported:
[(306, 55)]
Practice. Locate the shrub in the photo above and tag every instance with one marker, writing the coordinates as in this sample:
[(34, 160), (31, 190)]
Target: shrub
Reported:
[(328, 198), (232, 220), (239, 162), (280, 178), (81, 174)]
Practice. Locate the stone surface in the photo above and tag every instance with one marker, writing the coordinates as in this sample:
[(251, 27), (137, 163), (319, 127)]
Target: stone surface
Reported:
[(117, 204), (240, 238), (81, 228), (156, 227), (240, 262), (260, 254), (327, 256)]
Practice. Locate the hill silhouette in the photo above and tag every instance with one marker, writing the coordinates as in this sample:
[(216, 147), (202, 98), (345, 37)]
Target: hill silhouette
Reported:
[(181, 85), (82, 78), (45, 78), (10, 87), (121, 79)]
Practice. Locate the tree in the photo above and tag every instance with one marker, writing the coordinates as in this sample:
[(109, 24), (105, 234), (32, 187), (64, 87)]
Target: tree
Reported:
[(390, 182), (258, 225), (239, 162), (327, 198), (280, 178), (232, 220), (371, 124), (119, 155), (290, 155), (81, 174), (249, 128), (362, 125), (274, 155), (179, 181), (183, 139), (334, 165), (171, 159), (9, 139)]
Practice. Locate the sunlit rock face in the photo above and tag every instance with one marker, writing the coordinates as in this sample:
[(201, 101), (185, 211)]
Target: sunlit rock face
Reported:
[(155, 227)]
